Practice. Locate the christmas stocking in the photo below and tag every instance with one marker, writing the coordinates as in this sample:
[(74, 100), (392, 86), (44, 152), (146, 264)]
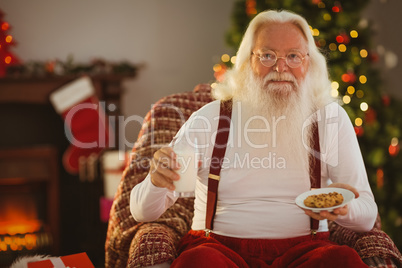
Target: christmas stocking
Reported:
[(85, 124)]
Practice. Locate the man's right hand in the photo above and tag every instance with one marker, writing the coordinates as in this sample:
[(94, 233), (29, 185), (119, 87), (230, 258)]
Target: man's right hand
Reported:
[(163, 167)]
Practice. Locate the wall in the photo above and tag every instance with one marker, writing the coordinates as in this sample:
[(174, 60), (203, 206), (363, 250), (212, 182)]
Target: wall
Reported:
[(178, 40)]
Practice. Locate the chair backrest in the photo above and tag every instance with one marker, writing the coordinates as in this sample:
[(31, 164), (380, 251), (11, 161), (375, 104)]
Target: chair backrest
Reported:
[(159, 127)]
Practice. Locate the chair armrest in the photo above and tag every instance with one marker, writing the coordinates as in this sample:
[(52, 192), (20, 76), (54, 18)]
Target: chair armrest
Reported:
[(373, 244), (154, 243)]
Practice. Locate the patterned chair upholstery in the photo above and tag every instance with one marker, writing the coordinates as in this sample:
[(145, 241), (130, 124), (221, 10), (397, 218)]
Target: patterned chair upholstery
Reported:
[(132, 244)]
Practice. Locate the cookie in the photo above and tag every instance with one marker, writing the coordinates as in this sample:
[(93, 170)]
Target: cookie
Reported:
[(310, 201), (324, 200)]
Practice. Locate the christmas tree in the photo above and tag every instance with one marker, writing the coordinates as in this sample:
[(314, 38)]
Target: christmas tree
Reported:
[(6, 42), (345, 38)]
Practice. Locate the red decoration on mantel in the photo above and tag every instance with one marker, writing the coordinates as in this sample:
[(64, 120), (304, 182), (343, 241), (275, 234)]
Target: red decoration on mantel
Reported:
[(6, 42)]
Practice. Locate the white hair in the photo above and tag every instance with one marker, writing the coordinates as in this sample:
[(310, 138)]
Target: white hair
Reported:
[(234, 78)]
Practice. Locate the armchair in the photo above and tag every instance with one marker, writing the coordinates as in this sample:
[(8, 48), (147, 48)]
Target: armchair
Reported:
[(132, 244)]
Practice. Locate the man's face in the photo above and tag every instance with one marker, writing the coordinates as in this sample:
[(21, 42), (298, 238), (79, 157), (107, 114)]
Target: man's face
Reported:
[(282, 39)]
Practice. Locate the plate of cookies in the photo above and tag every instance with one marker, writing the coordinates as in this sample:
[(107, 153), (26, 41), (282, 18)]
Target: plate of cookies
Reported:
[(324, 199)]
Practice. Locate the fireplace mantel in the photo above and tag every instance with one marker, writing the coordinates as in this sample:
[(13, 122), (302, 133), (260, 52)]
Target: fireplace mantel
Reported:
[(37, 89)]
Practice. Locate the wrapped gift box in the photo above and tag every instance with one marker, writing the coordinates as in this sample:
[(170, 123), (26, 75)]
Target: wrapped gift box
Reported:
[(79, 260)]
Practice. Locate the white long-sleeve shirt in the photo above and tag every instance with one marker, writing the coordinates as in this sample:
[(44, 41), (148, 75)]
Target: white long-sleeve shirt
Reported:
[(256, 194)]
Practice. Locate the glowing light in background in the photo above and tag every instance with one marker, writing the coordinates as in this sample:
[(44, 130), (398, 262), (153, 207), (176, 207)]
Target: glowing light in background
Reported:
[(354, 34), (380, 178), (363, 53), (334, 85), (363, 106), (359, 93), (363, 79), (7, 60), (394, 147), (217, 67), (327, 17), (334, 91), (339, 39), (350, 90), (357, 60), (9, 38), (315, 32), (342, 48), (5, 26), (225, 58), (345, 78), (322, 42)]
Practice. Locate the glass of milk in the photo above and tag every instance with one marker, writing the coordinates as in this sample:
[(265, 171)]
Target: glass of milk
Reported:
[(187, 158)]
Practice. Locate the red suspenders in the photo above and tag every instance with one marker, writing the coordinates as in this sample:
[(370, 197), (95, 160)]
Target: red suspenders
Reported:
[(219, 153), (315, 172)]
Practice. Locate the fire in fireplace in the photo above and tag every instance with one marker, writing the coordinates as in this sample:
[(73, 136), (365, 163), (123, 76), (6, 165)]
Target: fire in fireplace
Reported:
[(18, 214), (19, 219), (29, 202)]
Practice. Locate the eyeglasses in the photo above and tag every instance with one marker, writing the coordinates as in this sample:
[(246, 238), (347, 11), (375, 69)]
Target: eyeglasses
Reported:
[(269, 58)]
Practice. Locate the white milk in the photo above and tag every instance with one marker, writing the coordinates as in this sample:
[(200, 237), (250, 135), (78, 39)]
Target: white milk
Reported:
[(186, 157)]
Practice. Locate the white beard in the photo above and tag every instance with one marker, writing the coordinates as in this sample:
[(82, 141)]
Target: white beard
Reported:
[(285, 106)]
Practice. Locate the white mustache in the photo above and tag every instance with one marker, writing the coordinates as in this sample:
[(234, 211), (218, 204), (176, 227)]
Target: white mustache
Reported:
[(274, 76)]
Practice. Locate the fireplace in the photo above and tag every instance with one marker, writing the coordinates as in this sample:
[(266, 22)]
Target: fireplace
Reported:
[(63, 208), (29, 200)]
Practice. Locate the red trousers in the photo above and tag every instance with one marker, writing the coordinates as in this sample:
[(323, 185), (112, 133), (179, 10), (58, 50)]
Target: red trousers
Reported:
[(197, 250)]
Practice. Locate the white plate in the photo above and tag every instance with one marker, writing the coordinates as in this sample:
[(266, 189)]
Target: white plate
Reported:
[(347, 197)]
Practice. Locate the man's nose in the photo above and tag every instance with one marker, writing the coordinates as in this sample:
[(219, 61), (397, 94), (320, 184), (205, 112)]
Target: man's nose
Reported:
[(281, 65)]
